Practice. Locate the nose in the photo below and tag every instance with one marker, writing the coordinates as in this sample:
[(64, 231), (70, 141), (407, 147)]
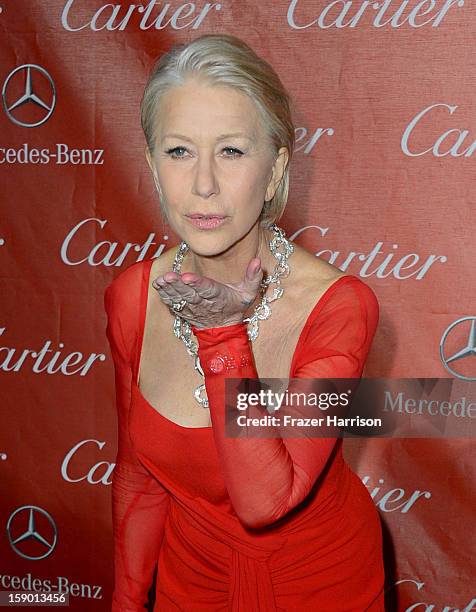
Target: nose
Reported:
[(205, 181)]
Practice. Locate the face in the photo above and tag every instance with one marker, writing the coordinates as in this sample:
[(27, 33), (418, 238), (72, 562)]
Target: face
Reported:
[(212, 156)]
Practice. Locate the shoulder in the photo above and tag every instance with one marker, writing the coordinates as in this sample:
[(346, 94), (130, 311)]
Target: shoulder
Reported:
[(122, 298), (127, 280), (124, 294), (342, 322), (330, 292), (127, 286), (122, 306), (318, 276)]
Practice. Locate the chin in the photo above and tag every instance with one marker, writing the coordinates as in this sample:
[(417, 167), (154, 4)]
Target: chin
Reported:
[(209, 243), (208, 246)]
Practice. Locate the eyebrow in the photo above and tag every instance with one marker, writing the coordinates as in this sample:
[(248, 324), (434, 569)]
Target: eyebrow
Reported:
[(220, 137)]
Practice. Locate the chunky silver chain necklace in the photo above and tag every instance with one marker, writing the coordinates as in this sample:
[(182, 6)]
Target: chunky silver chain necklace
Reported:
[(281, 249)]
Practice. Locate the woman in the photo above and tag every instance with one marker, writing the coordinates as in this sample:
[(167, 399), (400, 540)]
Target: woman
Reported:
[(232, 524)]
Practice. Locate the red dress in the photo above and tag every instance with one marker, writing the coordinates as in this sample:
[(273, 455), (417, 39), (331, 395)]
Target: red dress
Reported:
[(206, 507)]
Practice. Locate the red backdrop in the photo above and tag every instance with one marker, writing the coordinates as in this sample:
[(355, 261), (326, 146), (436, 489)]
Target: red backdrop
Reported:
[(384, 110)]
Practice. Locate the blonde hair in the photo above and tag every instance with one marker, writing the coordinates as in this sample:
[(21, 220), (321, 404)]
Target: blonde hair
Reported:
[(223, 59)]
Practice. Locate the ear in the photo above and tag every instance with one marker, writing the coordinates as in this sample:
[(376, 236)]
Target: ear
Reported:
[(278, 169), (150, 161)]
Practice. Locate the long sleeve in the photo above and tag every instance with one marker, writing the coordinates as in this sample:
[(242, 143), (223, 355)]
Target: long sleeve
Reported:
[(139, 502), (266, 478)]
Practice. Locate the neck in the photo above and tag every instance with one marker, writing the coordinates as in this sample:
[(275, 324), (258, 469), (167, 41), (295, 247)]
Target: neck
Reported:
[(230, 265)]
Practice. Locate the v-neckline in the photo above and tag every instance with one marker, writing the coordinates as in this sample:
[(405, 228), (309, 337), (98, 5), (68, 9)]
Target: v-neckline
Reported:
[(144, 300)]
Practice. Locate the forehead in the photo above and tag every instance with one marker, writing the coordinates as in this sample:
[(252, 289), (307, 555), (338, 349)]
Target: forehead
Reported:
[(207, 111)]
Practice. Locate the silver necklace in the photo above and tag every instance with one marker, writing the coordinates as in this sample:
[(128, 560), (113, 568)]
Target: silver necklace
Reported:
[(281, 249)]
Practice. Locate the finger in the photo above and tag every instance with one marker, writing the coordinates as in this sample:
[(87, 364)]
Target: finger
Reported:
[(164, 294), (179, 288), (190, 278), (171, 284), (176, 290), (171, 276), (164, 289), (204, 286), (253, 269)]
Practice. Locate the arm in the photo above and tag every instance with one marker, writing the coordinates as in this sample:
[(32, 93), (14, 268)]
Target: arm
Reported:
[(139, 502), (266, 478)]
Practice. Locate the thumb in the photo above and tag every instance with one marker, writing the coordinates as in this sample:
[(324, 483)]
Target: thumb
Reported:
[(253, 271)]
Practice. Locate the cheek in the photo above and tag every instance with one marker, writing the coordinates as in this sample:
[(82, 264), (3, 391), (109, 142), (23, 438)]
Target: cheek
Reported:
[(252, 181), (173, 184)]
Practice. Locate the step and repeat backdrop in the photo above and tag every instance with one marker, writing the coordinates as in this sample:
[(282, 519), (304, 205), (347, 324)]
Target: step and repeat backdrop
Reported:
[(382, 186)]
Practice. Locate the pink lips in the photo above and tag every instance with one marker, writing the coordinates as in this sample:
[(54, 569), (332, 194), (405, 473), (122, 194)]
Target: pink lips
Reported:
[(206, 222), (206, 215)]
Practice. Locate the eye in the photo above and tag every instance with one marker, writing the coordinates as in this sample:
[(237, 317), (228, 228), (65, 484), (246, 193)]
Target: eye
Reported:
[(237, 152), (173, 152)]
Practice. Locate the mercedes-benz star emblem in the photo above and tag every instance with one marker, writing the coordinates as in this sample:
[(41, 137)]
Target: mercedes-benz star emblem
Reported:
[(12, 101), (23, 532), (463, 353)]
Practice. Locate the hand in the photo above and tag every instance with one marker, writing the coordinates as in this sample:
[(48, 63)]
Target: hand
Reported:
[(209, 302)]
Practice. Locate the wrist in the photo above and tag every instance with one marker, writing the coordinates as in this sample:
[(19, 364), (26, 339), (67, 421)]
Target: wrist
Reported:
[(207, 336), (228, 323)]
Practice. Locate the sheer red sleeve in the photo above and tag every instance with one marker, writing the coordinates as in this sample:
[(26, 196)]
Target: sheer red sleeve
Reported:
[(267, 477), (139, 502)]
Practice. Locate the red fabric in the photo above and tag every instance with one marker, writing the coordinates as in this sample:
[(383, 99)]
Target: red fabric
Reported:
[(241, 524)]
